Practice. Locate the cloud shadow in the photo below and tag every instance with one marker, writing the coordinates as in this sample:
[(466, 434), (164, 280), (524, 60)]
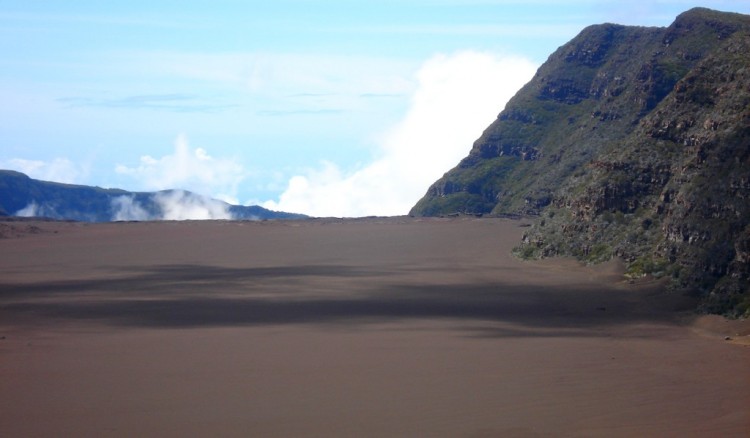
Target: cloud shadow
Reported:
[(189, 296)]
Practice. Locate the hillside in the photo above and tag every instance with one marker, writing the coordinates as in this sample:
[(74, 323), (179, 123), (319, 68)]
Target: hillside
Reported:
[(24, 196), (631, 142)]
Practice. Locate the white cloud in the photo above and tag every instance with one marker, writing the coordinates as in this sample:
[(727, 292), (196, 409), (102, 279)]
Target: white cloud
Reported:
[(178, 205), (31, 210), (57, 170), (173, 205), (126, 208), (189, 169), (457, 97)]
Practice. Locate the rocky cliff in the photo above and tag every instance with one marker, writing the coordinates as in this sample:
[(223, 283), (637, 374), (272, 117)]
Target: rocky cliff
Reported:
[(629, 142)]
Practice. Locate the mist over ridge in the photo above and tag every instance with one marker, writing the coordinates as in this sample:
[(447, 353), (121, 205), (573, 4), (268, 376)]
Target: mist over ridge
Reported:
[(27, 197)]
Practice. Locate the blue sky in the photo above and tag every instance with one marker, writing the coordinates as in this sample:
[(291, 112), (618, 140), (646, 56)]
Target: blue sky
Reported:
[(343, 108)]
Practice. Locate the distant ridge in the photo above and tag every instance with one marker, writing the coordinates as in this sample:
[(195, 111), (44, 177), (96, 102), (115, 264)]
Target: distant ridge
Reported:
[(629, 142), (21, 195)]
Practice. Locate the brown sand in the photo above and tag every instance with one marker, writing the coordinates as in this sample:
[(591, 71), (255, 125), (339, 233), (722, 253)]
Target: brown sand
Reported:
[(361, 328)]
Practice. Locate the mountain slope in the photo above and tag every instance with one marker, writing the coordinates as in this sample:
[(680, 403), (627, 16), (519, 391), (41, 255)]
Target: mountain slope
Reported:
[(630, 142), (21, 195)]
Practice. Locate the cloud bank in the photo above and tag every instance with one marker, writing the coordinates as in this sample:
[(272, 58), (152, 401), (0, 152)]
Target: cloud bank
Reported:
[(192, 185), (177, 205), (457, 97), (189, 169), (172, 205)]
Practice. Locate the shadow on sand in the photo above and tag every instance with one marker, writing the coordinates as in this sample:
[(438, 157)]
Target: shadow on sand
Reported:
[(185, 296)]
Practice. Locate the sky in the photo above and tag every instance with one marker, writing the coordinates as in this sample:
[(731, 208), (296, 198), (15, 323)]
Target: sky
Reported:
[(324, 107)]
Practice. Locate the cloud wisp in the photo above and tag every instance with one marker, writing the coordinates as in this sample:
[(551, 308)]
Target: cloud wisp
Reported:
[(457, 97), (176, 102), (126, 208), (60, 170)]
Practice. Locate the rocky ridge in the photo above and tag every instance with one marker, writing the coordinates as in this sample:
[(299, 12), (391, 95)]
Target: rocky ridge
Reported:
[(24, 196), (629, 142)]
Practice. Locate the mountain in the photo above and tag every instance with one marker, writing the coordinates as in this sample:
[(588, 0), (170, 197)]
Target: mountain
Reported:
[(629, 142), (24, 196)]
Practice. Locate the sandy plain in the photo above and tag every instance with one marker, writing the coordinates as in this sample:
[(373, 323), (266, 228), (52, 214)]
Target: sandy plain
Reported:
[(393, 327)]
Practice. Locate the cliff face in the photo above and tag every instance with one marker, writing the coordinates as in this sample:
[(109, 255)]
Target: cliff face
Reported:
[(629, 142)]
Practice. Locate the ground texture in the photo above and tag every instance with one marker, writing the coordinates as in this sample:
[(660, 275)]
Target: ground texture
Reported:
[(369, 328)]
